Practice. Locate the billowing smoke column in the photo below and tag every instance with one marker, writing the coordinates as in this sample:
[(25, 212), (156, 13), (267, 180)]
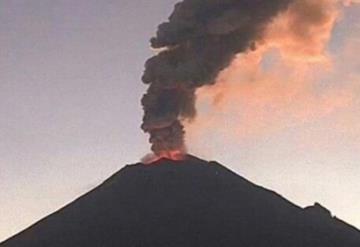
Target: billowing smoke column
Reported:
[(200, 39)]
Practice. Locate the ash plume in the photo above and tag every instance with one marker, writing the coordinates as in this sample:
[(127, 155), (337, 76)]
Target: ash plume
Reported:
[(200, 39)]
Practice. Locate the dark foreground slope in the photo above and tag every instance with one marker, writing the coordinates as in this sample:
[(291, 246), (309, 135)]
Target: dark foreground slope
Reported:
[(184, 204)]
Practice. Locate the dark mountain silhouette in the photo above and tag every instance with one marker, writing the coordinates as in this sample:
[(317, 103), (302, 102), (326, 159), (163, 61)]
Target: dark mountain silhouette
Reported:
[(184, 204)]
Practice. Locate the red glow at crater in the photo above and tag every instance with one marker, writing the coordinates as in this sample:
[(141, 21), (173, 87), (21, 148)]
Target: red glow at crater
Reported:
[(169, 154)]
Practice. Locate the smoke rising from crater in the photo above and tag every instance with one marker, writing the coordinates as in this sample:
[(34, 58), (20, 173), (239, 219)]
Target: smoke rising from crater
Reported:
[(200, 39)]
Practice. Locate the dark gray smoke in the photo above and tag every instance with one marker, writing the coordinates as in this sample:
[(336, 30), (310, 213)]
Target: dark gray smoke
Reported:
[(201, 39)]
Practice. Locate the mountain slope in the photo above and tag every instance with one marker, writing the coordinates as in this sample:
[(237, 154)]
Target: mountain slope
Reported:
[(185, 203)]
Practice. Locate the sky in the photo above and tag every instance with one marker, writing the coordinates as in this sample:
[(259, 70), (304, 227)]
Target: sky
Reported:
[(70, 111)]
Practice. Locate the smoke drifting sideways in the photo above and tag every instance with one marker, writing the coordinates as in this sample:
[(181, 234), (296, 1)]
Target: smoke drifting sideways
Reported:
[(293, 80), (200, 39)]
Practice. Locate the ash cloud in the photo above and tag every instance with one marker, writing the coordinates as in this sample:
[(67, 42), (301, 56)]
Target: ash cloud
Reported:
[(201, 39), (291, 79)]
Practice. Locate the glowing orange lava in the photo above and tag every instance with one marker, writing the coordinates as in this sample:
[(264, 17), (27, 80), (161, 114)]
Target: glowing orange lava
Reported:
[(168, 154), (172, 155)]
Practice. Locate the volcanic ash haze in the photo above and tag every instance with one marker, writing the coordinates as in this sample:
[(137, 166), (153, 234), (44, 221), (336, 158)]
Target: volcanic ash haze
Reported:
[(201, 39), (283, 83)]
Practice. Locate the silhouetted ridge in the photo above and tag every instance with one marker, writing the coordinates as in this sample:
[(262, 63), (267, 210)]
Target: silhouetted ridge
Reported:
[(185, 203)]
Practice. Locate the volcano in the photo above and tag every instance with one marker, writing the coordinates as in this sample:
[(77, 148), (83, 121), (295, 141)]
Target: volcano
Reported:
[(183, 204)]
